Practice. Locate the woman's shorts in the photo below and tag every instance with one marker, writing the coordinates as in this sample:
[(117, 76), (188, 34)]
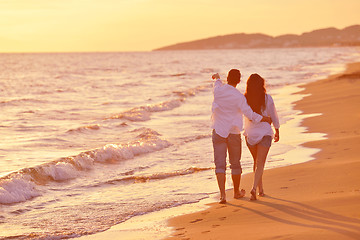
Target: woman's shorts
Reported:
[(265, 141)]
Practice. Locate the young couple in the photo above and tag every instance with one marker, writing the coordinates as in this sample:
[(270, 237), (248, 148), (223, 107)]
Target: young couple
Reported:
[(228, 108)]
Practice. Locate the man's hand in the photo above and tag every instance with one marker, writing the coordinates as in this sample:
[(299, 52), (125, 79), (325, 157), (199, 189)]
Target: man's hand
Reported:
[(216, 76), (266, 119)]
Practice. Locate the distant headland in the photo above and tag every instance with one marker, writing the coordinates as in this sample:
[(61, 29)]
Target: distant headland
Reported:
[(349, 36)]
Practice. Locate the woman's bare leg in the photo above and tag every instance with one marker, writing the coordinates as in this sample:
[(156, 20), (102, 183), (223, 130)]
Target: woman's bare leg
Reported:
[(262, 152), (260, 186), (253, 151)]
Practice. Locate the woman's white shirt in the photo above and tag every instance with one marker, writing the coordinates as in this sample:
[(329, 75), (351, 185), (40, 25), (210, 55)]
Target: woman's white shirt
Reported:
[(256, 131)]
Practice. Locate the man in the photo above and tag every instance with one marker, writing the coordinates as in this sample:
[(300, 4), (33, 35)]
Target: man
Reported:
[(228, 108)]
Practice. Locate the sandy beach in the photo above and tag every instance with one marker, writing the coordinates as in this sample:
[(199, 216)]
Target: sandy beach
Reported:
[(319, 199)]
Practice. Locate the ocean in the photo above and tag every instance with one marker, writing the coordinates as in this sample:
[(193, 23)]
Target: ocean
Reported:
[(91, 140)]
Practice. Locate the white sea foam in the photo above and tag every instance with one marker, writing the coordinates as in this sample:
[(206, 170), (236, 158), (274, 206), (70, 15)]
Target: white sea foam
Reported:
[(60, 171), (21, 186), (149, 142), (113, 152), (17, 189), (83, 161)]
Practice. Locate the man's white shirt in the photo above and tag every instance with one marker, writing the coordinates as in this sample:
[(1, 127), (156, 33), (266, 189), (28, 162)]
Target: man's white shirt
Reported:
[(228, 108)]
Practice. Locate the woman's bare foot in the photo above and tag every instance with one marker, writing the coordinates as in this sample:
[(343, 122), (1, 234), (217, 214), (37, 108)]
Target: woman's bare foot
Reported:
[(240, 194), (253, 194), (261, 193), (222, 200)]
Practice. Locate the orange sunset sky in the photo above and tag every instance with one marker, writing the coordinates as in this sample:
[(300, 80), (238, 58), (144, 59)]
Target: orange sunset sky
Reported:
[(142, 25)]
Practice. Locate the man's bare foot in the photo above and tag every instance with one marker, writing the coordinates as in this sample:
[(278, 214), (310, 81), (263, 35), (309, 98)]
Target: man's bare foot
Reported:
[(240, 194)]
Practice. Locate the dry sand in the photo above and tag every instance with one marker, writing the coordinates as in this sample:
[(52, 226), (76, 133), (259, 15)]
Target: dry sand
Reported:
[(319, 199)]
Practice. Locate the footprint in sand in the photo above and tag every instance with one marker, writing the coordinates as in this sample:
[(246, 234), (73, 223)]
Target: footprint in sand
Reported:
[(179, 234), (334, 192), (206, 231), (222, 218), (221, 207), (284, 188), (196, 220), (215, 225)]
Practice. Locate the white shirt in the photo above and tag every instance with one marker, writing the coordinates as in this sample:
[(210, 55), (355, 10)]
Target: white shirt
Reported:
[(256, 131), (228, 108)]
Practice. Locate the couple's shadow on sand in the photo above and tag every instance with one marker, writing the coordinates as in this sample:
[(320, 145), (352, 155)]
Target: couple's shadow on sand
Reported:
[(307, 215)]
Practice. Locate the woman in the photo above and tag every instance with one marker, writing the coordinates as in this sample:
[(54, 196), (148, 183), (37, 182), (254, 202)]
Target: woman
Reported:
[(259, 135)]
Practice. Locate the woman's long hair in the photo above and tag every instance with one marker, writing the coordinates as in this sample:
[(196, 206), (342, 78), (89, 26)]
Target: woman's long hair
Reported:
[(255, 93)]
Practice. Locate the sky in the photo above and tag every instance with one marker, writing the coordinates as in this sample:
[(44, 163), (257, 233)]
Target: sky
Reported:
[(143, 25)]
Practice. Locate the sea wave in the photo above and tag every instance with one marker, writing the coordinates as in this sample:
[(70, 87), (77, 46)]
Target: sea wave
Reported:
[(22, 185), (84, 128), (194, 138), (143, 113), (155, 176), (20, 101), (168, 75), (192, 91)]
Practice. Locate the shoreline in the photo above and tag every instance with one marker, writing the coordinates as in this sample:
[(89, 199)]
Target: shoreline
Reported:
[(154, 225), (204, 217), (316, 199)]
